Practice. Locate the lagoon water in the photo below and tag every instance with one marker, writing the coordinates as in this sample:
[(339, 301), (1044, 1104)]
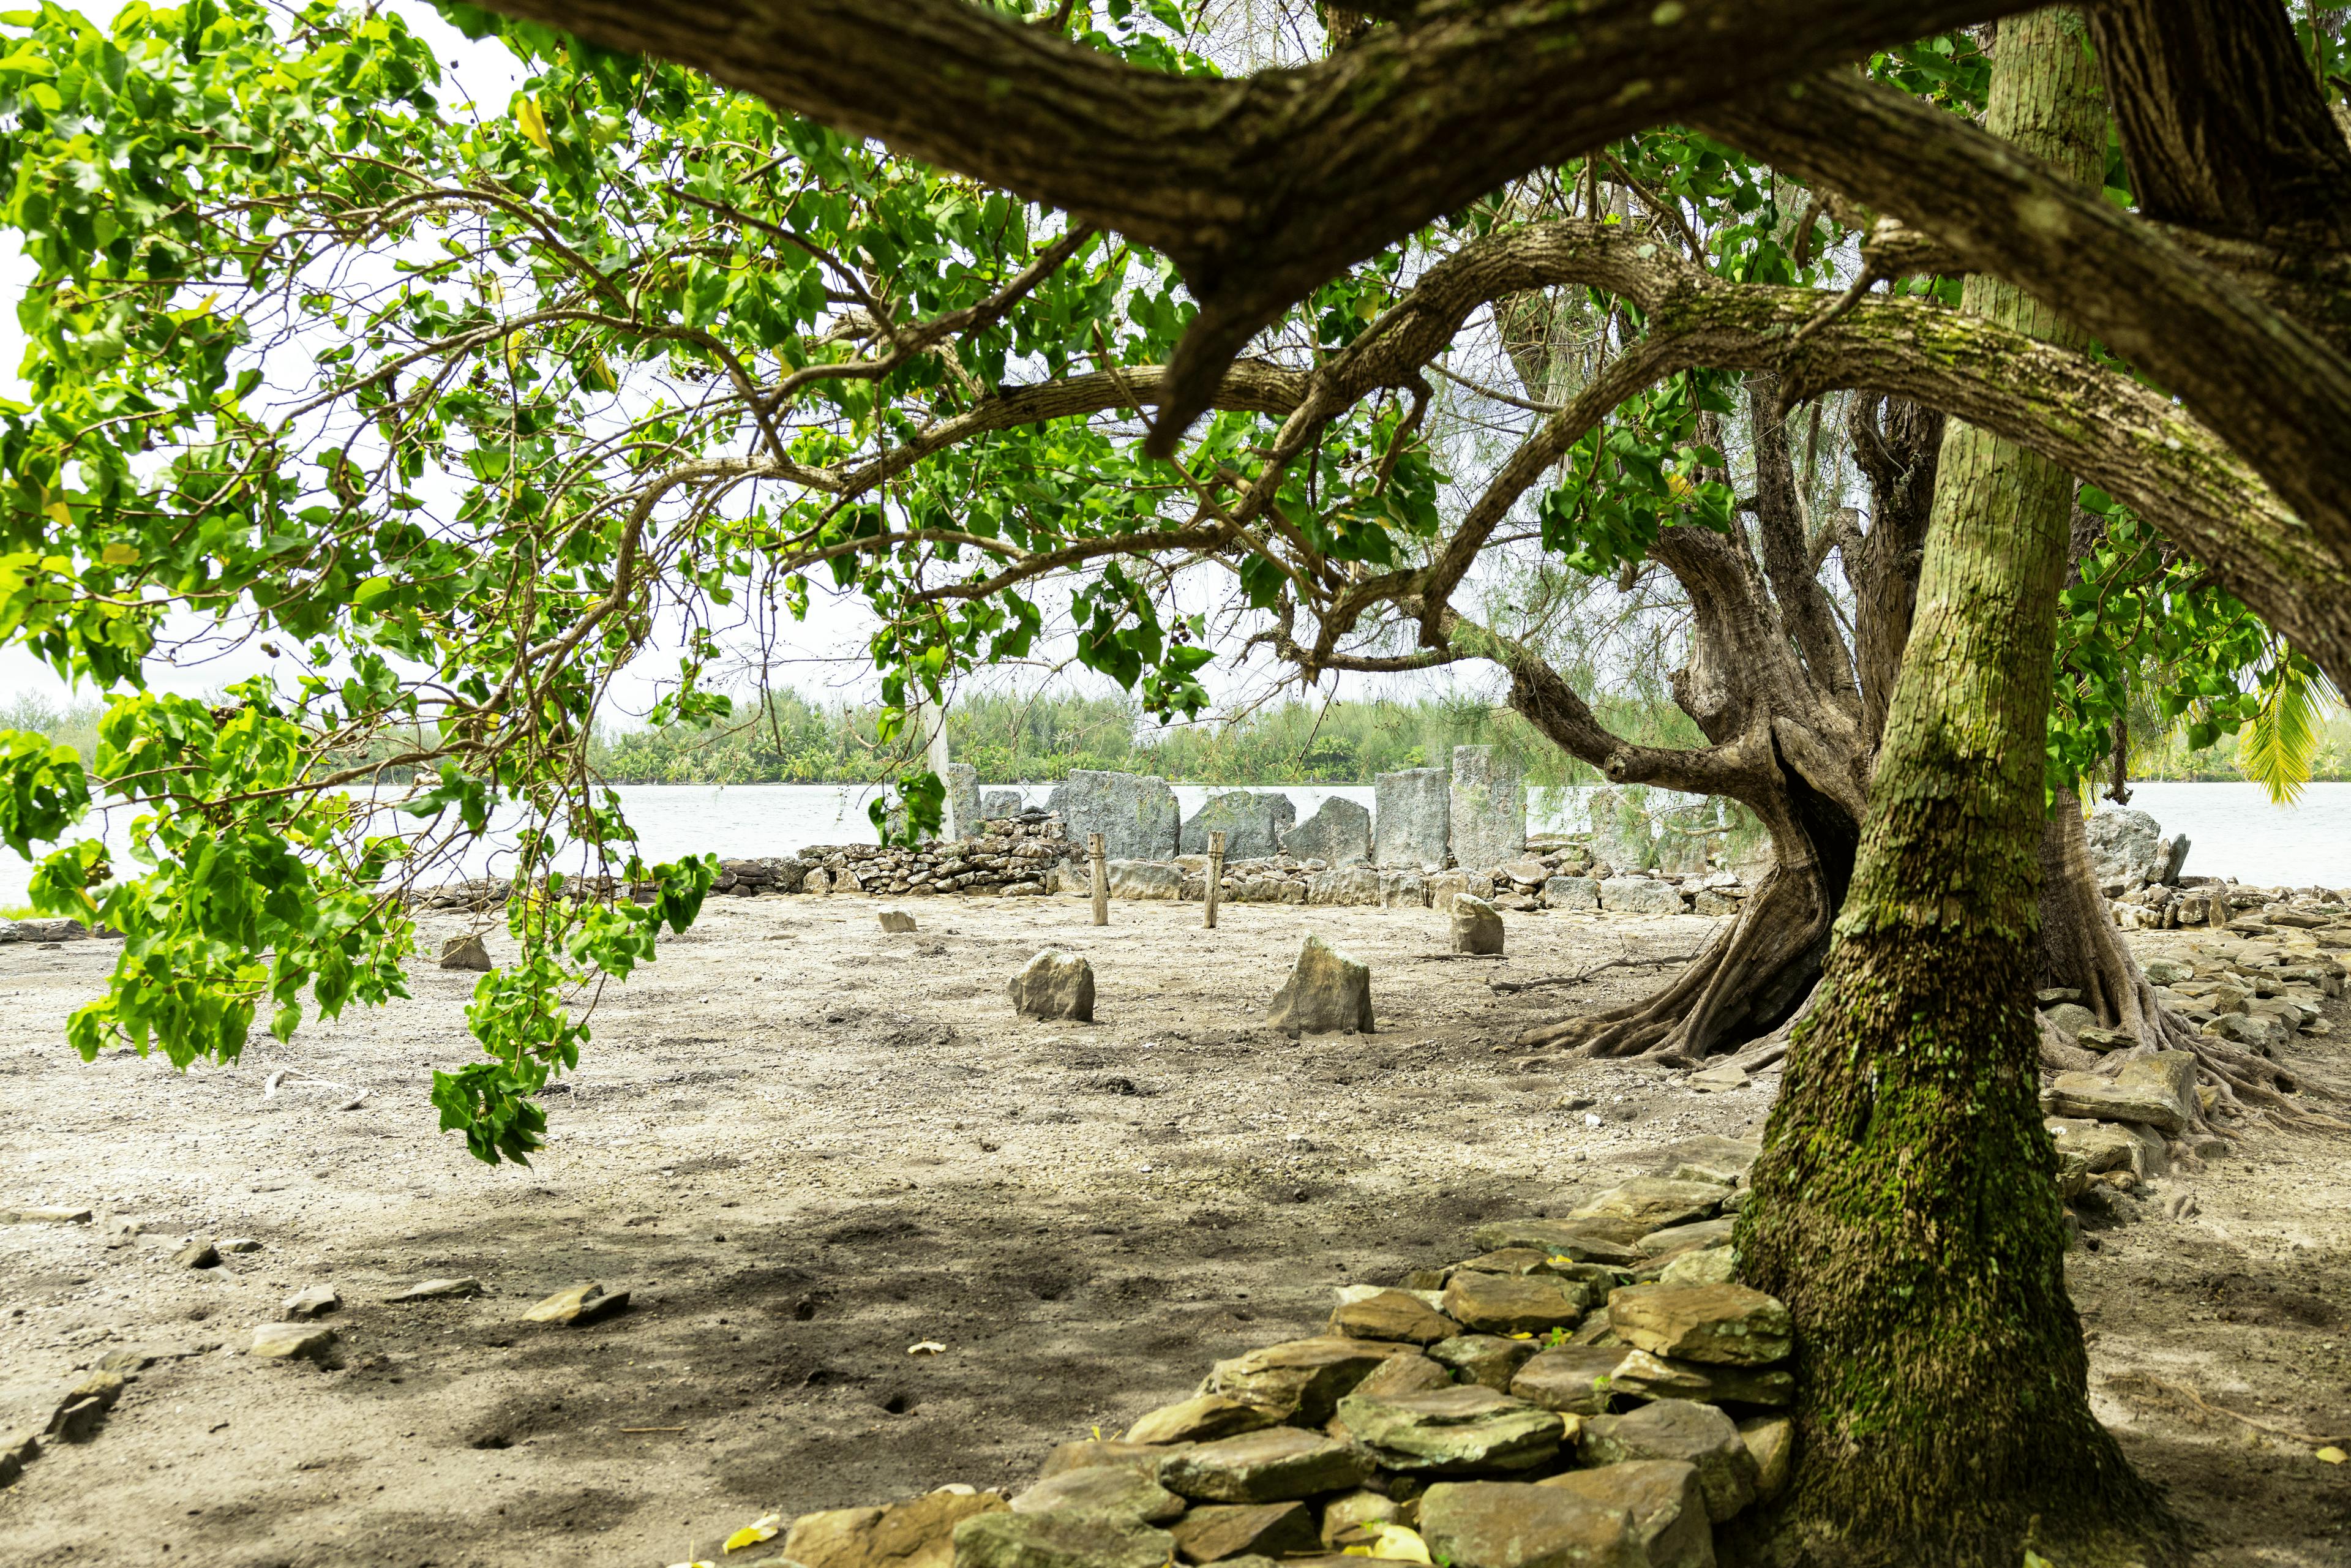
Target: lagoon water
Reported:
[(2234, 828)]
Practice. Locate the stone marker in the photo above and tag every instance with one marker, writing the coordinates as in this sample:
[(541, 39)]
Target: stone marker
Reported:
[(1274, 1466), (1728, 1324), (963, 800), (1251, 822), (919, 1534), (1477, 925), (1679, 1429), (1515, 1524), (1339, 834), (1105, 1492), (281, 1342), (896, 920), (437, 1290), (579, 1306), (1452, 1431), (1136, 814), (1623, 837), (1572, 1379), (1045, 1541), (1219, 1531), (466, 953), (1203, 1418), (1487, 808), (1327, 993), (1412, 815), (1054, 985), (1302, 1379), (2124, 848), (1667, 1503), (313, 1302), (995, 805)]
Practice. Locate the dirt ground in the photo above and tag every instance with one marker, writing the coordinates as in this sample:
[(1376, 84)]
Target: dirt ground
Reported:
[(805, 1147)]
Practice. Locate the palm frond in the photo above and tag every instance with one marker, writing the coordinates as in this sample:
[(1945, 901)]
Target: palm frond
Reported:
[(2280, 742)]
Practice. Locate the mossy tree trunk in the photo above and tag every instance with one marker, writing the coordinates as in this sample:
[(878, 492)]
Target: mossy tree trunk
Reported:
[(1905, 1204)]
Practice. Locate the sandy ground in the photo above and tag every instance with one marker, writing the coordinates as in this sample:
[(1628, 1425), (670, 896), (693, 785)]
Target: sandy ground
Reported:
[(805, 1147)]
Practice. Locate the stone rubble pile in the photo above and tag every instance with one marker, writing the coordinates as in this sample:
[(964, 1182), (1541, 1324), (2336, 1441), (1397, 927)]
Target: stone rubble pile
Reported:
[(1593, 1388)]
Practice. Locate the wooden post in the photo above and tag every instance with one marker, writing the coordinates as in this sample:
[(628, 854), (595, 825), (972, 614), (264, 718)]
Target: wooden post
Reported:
[(1098, 874), (1215, 877)]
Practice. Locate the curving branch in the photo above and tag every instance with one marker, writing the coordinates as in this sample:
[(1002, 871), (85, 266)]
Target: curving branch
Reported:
[(1263, 187)]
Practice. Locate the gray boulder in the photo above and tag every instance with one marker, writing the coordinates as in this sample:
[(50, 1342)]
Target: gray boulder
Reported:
[(1571, 893), (1403, 890), (1640, 895), (1488, 807), (1339, 834), (1137, 815), (1145, 879), (1412, 815), (1477, 925), (995, 805), (1344, 884), (1252, 823), (1622, 835), (2124, 847), (1327, 993), (1054, 985)]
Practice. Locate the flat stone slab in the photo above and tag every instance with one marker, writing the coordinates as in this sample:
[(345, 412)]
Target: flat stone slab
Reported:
[(1515, 1524), (579, 1306), (1642, 1375), (59, 1214), (1655, 1203), (1216, 1531), (1392, 1316), (1484, 1358), (1051, 1541), (1584, 1242), (1105, 1492), (437, 1290), (1679, 1429), (1275, 1465), (281, 1341), (1573, 1379), (1452, 1431), (917, 1533), (2150, 1090), (1515, 1303), (1667, 1504), (1719, 1324), (1300, 1379), (1203, 1418)]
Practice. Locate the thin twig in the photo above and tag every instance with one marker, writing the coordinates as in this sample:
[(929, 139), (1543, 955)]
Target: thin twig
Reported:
[(2200, 1403), (1506, 987)]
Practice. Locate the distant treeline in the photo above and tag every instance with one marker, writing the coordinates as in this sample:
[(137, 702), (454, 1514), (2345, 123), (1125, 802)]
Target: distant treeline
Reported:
[(790, 739)]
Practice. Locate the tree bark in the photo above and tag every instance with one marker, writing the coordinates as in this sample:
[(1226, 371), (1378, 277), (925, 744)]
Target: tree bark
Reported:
[(1905, 1206)]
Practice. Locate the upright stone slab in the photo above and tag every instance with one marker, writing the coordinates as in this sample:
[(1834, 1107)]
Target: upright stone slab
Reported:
[(1477, 925), (1339, 834), (963, 800), (1137, 815), (1411, 816), (1327, 993), (996, 804), (1487, 808), (2124, 847), (1251, 822), (1622, 837)]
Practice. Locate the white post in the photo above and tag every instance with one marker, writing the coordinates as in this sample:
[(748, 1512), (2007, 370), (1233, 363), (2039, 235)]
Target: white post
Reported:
[(931, 724)]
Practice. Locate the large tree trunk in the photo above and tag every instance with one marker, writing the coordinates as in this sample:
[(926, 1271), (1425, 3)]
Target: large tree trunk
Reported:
[(1904, 1206)]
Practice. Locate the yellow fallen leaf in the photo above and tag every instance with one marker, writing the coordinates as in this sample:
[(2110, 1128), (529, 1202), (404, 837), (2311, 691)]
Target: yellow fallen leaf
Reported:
[(1398, 1544), (764, 1528), (533, 121), (1522, 1336), (697, 1562), (927, 1347), (2331, 1455)]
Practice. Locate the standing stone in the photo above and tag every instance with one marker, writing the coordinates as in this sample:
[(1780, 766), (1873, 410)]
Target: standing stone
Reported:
[(1412, 817), (995, 805), (1477, 925), (1339, 834), (1137, 815), (465, 953), (1327, 993), (896, 921), (1054, 985), (963, 800), (1621, 833), (2124, 849), (1488, 807), (1251, 822)]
